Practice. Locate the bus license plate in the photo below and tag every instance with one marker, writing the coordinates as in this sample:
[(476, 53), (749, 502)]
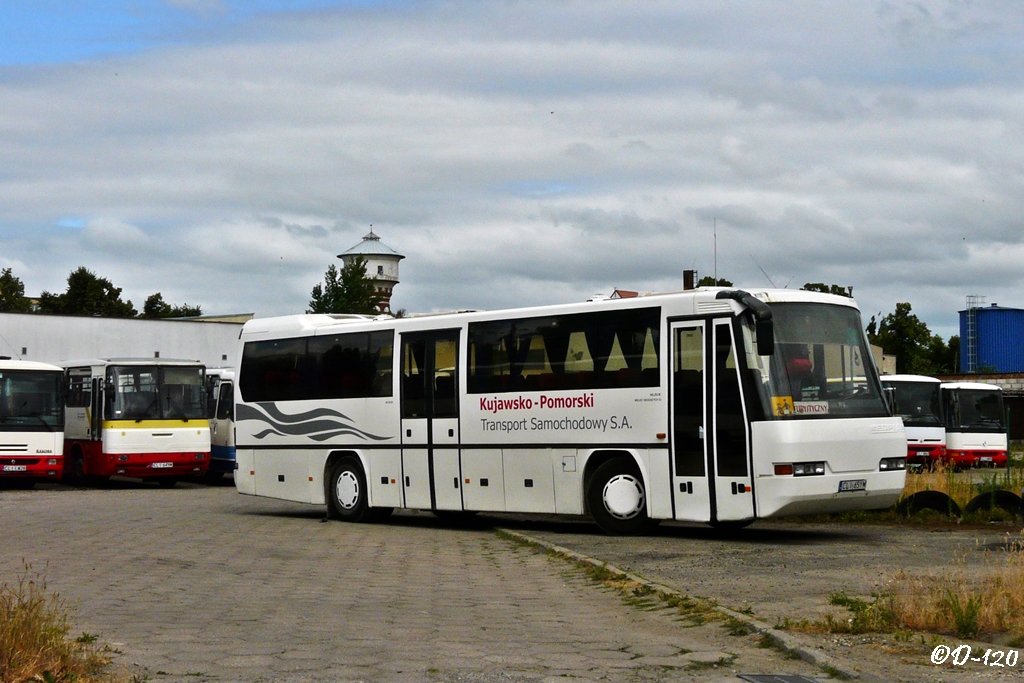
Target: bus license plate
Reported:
[(853, 485), (162, 465), (15, 468)]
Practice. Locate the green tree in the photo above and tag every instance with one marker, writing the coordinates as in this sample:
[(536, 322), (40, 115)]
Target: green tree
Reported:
[(827, 289), (12, 294), (346, 291), (917, 350), (709, 281), (87, 294), (156, 307)]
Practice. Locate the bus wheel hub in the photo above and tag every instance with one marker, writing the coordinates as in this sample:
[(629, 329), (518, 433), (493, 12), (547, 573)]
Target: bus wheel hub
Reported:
[(347, 490), (623, 496)]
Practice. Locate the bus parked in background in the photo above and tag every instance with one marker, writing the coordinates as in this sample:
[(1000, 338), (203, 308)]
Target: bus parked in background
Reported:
[(712, 405), (136, 418), (220, 398), (31, 422), (975, 424), (916, 399)]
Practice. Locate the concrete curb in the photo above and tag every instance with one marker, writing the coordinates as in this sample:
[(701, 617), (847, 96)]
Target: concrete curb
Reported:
[(787, 641)]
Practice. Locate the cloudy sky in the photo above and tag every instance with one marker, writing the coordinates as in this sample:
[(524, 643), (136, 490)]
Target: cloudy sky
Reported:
[(223, 152)]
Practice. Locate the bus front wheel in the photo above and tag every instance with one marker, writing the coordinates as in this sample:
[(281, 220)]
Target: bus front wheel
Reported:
[(617, 499), (346, 494)]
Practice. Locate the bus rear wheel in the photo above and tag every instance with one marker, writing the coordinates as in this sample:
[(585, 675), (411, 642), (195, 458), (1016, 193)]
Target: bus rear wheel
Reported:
[(346, 492), (617, 499)]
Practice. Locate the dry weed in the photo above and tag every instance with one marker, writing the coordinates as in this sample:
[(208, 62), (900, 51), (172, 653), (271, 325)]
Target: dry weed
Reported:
[(34, 637)]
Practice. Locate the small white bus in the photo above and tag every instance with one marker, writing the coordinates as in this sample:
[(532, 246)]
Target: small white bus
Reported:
[(31, 422), (975, 424), (917, 401), (712, 405), (220, 398), (136, 417)]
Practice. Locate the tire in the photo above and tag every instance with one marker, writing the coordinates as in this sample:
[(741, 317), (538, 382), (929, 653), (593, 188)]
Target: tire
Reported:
[(346, 492), (1004, 500), (74, 468), (928, 500), (617, 499)]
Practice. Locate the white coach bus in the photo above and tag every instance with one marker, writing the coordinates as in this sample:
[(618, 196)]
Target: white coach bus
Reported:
[(31, 422), (712, 405)]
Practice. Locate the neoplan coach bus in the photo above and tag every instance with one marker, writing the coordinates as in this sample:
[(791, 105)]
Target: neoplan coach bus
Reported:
[(136, 417), (713, 405), (31, 422)]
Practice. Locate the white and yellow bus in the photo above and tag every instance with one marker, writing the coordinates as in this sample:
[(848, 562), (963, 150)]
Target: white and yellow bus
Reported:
[(136, 417), (713, 405)]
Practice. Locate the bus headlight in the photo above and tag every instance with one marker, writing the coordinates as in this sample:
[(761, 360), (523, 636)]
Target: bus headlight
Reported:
[(800, 469), (808, 469), (887, 464), (200, 456), (51, 461)]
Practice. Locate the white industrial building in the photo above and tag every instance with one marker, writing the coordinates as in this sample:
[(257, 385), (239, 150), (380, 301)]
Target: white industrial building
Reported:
[(58, 338)]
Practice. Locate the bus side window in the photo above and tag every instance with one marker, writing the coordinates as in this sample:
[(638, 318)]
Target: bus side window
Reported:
[(226, 402)]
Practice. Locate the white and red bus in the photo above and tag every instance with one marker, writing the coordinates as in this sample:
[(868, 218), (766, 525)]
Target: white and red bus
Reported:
[(136, 417), (31, 422), (713, 405), (916, 399), (975, 424)]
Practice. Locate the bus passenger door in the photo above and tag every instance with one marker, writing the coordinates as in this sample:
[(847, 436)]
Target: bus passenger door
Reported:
[(711, 478), (733, 497), (430, 420), (690, 491)]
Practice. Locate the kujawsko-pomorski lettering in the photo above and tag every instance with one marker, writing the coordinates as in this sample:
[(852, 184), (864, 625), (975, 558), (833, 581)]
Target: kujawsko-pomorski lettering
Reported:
[(494, 404)]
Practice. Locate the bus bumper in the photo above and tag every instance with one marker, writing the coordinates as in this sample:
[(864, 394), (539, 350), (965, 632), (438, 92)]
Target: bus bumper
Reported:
[(783, 496), (148, 465), (40, 468)]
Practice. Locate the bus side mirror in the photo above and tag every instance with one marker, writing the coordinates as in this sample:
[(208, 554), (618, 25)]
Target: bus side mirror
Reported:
[(765, 331)]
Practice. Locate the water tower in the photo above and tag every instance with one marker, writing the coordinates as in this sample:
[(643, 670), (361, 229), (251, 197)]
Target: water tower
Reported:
[(381, 265)]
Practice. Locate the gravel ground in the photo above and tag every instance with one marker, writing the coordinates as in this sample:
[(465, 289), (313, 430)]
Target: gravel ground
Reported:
[(786, 570)]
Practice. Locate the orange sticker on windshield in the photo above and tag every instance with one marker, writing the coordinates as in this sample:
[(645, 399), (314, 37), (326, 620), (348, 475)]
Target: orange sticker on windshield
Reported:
[(782, 405)]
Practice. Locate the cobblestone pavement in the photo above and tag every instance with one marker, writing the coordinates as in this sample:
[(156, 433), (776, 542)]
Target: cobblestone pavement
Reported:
[(199, 583)]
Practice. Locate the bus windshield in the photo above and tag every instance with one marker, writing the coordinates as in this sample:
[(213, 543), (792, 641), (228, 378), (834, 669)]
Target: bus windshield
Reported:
[(151, 392), (821, 367), (974, 410), (917, 403), (31, 401)]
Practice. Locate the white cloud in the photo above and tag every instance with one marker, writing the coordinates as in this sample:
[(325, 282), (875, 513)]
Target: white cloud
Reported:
[(535, 152)]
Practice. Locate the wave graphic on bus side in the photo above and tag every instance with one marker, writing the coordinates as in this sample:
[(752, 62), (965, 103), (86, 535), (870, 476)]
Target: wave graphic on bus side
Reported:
[(317, 424)]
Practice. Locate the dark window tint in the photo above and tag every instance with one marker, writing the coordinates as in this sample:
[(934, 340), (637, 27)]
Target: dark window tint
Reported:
[(31, 400), (226, 402), (356, 365), (610, 349), (688, 402), (730, 425)]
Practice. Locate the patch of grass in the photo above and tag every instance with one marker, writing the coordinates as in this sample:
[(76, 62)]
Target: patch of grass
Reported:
[(34, 637), (717, 664), (735, 627), (833, 672)]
